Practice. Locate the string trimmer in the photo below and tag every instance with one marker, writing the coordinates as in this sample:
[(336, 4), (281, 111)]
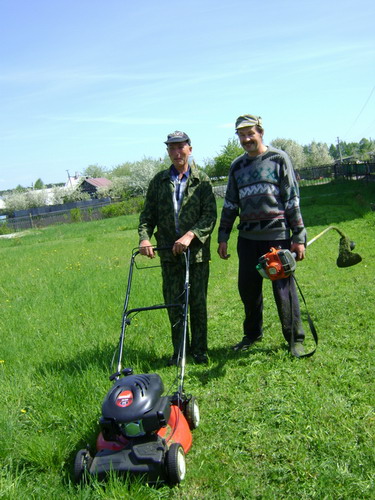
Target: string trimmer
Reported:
[(280, 263)]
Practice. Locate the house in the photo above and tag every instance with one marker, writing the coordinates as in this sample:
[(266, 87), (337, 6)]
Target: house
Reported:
[(344, 159), (90, 185)]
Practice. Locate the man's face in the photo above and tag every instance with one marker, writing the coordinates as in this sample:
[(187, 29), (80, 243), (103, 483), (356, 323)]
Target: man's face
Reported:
[(179, 153), (251, 140)]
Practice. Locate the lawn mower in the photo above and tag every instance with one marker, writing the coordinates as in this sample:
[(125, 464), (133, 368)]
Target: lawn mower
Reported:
[(141, 430)]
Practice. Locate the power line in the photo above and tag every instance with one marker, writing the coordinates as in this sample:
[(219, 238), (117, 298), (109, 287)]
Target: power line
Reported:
[(370, 127), (359, 114)]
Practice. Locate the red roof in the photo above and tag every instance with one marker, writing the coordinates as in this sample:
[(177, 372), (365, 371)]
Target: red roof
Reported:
[(98, 182)]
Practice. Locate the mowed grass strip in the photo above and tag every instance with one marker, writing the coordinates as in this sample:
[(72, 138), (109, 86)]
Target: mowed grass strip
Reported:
[(272, 426)]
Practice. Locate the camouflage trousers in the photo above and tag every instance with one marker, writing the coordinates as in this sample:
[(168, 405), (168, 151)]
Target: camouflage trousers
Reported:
[(173, 285)]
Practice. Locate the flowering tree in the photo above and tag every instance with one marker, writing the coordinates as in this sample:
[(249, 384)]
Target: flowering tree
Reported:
[(118, 189), (293, 150), (317, 153), (23, 200), (141, 173)]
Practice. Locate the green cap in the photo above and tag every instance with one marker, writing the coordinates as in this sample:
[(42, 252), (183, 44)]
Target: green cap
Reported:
[(248, 121)]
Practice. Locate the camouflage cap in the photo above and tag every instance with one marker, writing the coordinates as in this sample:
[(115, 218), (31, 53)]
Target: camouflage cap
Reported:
[(248, 121), (177, 136)]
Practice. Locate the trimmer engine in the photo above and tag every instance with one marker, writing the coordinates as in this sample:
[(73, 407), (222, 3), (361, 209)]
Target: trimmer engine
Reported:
[(276, 264)]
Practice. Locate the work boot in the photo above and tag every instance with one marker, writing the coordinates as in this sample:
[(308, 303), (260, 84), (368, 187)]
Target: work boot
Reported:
[(246, 343), (201, 358), (298, 349)]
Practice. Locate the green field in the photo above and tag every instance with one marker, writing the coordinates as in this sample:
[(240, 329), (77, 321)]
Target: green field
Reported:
[(272, 426)]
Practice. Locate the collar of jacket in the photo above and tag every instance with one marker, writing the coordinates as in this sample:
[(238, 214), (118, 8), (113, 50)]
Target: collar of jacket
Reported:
[(193, 173)]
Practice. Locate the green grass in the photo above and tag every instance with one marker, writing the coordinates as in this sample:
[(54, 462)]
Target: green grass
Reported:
[(272, 426)]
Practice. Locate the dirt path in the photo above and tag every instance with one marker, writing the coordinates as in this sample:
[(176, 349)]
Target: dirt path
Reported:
[(14, 235)]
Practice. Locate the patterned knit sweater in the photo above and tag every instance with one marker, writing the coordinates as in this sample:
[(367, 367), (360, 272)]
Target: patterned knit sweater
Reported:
[(264, 193)]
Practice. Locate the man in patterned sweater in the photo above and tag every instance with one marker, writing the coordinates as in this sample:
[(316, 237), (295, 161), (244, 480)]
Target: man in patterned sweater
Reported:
[(181, 205), (262, 190)]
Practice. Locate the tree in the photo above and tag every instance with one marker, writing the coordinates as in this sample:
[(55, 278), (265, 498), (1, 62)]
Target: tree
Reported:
[(221, 164), (15, 201), (122, 170), (293, 150), (73, 194), (37, 198), (349, 149), (209, 165), (118, 189), (39, 184), (58, 194), (366, 147), (95, 171), (334, 151), (24, 200), (317, 154), (166, 162), (141, 173)]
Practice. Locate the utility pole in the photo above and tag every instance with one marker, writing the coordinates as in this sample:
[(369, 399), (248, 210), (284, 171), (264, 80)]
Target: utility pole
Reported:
[(338, 145), (69, 177)]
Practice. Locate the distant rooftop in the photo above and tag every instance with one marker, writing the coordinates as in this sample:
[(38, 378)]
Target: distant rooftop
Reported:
[(97, 182)]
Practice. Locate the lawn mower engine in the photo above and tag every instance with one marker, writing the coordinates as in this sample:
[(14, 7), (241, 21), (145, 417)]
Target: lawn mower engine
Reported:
[(276, 264), (134, 407)]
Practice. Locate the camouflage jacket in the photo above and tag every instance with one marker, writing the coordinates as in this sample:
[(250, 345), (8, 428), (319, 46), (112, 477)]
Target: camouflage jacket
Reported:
[(197, 214)]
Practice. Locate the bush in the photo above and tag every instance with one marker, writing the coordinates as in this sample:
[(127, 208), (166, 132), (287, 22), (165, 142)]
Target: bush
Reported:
[(76, 215), (73, 195), (127, 207), (4, 229)]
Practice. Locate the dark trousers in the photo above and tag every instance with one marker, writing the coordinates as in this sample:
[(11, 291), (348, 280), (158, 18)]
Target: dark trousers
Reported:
[(173, 286), (250, 288)]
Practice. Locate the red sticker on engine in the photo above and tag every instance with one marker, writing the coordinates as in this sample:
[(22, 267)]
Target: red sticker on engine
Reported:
[(124, 399)]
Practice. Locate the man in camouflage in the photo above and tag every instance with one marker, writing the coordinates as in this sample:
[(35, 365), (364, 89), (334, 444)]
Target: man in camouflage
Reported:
[(181, 205)]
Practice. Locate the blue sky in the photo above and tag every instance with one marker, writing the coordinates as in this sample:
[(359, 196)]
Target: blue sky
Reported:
[(86, 82)]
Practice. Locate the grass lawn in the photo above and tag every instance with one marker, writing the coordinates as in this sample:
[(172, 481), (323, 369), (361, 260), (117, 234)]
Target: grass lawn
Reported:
[(272, 426)]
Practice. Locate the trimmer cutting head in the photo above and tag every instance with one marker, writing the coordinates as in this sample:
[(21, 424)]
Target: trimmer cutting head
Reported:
[(346, 257)]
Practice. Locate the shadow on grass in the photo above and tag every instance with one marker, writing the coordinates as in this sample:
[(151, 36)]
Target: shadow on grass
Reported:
[(219, 357), (144, 360)]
